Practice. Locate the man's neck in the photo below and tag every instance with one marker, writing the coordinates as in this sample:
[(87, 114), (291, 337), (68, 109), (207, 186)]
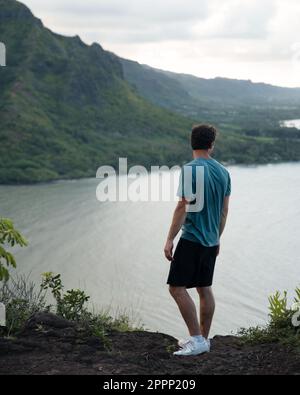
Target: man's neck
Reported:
[(201, 154)]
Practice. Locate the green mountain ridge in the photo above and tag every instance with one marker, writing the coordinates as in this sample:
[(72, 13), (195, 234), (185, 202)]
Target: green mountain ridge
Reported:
[(66, 108), (214, 99)]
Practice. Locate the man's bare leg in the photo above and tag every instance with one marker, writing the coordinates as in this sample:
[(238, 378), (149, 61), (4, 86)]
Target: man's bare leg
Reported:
[(207, 309), (187, 308)]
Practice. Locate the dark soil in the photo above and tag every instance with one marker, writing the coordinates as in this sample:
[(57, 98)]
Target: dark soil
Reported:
[(50, 345)]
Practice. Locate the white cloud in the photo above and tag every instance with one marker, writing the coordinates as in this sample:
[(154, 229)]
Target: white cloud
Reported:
[(123, 21), (252, 39), (146, 10), (237, 19)]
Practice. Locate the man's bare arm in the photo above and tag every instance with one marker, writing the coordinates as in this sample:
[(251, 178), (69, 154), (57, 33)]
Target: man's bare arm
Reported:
[(224, 214), (177, 222), (223, 218)]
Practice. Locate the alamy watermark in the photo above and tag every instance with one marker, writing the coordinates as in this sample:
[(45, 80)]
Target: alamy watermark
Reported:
[(296, 316), (161, 183), (2, 54), (2, 315)]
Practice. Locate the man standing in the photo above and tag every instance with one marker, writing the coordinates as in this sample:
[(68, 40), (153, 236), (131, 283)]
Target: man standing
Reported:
[(193, 263)]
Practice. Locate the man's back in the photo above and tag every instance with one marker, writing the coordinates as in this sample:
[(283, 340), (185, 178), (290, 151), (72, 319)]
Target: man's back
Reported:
[(208, 187), (203, 227)]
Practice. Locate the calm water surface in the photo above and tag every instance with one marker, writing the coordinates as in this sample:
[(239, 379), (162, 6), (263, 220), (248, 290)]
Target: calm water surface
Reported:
[(114, 250)]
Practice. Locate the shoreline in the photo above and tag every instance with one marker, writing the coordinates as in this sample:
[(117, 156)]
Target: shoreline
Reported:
[(228, 165)]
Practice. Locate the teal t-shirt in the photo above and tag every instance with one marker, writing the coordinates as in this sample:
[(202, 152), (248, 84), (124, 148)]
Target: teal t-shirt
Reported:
[(203, 226)]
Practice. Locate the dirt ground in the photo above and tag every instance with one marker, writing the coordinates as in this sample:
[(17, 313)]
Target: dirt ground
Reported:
[(50, 345)]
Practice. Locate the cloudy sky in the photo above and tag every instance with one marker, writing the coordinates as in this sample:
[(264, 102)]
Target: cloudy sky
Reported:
[(246, 39)]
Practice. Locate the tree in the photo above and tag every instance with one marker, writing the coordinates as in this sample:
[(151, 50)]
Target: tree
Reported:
[(10, 237)]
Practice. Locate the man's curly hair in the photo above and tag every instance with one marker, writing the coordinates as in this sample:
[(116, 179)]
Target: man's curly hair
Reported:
[(203, 137)]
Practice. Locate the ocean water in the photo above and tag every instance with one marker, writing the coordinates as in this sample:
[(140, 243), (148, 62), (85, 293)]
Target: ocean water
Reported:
[(115, 250)]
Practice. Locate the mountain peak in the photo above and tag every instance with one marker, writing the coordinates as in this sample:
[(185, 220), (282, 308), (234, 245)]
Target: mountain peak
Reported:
[(12, 10)]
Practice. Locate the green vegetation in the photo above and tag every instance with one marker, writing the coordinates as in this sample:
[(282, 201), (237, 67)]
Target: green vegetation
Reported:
[(235, 104), (66, 108), (69, 305), (9, 236), (246, 113), (22, 300), (281, 328)]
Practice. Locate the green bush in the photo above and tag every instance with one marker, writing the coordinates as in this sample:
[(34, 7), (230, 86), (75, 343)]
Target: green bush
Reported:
[(9, 236), (69, 305), (21, 299), (280, 327), (72, 306)]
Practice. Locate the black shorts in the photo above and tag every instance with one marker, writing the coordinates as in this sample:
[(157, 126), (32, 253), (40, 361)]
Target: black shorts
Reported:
[(193, 265)]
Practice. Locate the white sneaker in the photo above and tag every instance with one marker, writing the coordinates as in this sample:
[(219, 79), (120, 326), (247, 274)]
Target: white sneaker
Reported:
[(193, 347), (183, 342)]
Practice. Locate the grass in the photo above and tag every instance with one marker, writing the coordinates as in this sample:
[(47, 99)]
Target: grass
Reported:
[(23, 298), (282, 327)]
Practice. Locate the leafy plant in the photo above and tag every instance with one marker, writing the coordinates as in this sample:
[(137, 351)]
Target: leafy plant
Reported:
[(22, 300), (297, 297), (280, 327), (70, 305), (9, 236), (279, 311), (278, 305)]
